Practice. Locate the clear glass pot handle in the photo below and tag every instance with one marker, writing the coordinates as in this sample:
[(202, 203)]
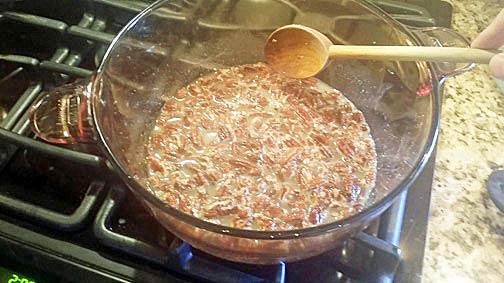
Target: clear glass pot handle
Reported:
[(444, 37), (63, 115)]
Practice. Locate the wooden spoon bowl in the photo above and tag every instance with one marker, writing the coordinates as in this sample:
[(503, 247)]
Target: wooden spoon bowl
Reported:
[(297, 51)]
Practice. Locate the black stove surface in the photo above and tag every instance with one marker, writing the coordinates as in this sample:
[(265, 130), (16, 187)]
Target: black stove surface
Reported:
[(113, 247), (65, 218)]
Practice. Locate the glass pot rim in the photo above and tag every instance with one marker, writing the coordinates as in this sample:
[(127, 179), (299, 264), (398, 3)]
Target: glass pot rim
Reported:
[(370, 211)]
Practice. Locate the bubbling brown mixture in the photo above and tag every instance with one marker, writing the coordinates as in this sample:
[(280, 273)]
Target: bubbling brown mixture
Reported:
[(249, 148)]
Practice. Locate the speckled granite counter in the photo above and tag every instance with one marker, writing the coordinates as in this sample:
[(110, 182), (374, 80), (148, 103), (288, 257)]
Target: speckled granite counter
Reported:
[(466, 230)]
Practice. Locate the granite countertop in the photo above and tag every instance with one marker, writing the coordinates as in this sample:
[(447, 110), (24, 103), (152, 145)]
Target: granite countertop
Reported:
[(465, 240)]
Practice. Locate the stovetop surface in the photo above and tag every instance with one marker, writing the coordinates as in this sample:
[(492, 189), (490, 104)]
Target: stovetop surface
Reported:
[(65, 218), (81, 256)]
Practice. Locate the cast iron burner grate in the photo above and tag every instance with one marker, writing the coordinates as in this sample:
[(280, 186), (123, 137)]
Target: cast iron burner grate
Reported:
[(54, 208)]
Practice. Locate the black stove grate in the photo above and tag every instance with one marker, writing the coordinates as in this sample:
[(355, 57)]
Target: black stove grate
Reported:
[(82, 37)]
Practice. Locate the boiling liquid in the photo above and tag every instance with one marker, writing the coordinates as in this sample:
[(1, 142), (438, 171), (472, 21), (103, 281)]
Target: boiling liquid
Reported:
[(248, 148)]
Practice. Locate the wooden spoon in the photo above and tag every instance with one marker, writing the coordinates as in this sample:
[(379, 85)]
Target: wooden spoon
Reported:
[(300, 52)]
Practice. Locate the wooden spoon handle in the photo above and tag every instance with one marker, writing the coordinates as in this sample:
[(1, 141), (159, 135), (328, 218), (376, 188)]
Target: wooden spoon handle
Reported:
[(412, 53)]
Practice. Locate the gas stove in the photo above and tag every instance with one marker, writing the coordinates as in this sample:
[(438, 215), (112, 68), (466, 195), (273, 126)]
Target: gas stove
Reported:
[(65, 217)]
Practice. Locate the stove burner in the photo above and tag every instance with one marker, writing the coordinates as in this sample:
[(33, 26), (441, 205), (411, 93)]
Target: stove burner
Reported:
[(168, 251)]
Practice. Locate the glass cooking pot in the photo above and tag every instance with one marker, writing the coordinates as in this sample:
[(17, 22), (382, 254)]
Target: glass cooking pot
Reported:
[(171, 43)]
